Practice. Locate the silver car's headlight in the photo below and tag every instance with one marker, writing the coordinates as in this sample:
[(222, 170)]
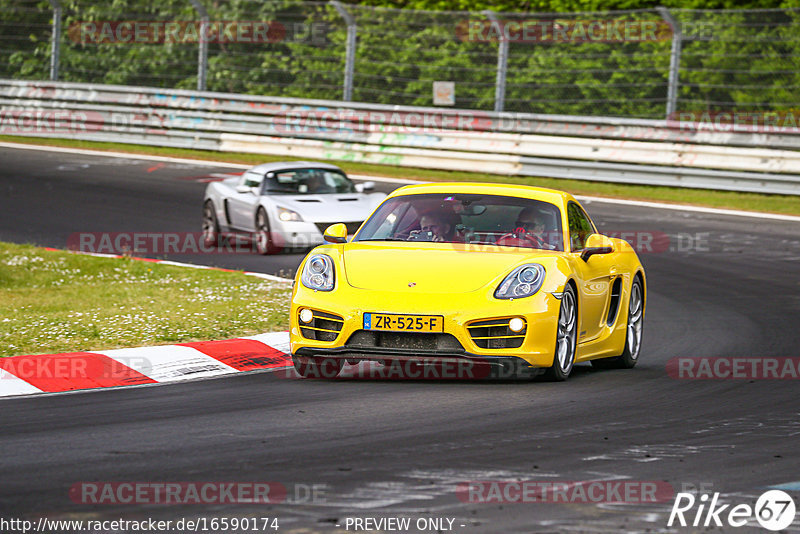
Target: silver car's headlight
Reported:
[(523, 281), (287, 215), (318, 273)]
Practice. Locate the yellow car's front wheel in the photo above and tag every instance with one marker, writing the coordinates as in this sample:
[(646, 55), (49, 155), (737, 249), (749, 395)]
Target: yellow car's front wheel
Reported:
[(566, 337)]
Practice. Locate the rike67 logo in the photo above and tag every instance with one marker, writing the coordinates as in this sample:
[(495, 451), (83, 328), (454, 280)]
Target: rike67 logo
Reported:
[(774, 510)]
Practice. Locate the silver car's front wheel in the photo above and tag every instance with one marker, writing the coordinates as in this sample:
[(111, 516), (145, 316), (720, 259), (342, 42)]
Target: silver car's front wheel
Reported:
[(263, 238), (566, 337), (210, 226)]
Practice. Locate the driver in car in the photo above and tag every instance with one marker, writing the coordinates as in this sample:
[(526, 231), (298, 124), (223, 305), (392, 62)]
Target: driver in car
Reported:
[(529, 229), (316, 184)]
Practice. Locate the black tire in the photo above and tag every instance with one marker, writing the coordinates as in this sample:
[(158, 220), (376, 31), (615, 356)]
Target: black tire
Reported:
[(566, 338), (263, 237), (634, 328), (211, 237), (309, 367)]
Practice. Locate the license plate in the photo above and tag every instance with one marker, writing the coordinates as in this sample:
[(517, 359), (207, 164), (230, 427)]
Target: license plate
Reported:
[(403, 323)]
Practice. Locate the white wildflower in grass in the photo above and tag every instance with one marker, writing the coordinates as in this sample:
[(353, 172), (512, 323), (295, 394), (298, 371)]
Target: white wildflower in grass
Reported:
[(16, 261)]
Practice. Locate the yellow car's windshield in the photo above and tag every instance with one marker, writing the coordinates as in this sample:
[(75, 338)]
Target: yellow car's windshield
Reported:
[(466, 218)]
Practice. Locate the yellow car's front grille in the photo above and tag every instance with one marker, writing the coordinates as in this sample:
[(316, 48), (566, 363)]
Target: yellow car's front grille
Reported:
[(496, 334), (323, 327), (404, 340)]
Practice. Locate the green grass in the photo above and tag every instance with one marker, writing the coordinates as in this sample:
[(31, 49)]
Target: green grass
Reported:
[(54, 301), (785, 204)]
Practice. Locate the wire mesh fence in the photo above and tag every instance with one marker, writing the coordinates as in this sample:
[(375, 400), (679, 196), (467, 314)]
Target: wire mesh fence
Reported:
[(25, 33), (618, 63), (743, 60)]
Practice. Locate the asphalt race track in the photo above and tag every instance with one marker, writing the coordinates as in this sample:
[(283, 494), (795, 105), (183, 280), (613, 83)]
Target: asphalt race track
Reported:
[(717, 286)]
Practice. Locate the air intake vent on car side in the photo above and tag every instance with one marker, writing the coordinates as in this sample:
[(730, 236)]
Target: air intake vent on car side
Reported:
[(613, 304)]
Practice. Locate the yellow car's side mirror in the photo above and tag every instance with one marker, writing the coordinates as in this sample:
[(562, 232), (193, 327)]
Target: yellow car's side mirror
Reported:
[(336, 233), (597, 244)]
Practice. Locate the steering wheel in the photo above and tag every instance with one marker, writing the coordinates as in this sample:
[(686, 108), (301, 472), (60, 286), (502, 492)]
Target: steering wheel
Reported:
[(520, 238)]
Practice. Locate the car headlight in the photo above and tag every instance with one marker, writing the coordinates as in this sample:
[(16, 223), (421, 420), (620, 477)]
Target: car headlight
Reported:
[(318, 273), (523, 281), (288, 215)]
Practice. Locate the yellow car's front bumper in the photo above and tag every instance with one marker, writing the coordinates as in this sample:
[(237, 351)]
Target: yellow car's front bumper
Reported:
[(459, 311)]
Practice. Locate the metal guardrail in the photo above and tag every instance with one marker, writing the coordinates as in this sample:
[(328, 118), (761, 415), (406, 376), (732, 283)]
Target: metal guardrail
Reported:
[(647, 62), (620, 150)]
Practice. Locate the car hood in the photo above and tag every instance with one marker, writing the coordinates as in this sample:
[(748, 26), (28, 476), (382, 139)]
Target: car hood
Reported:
[(331, 208), (431, 267)]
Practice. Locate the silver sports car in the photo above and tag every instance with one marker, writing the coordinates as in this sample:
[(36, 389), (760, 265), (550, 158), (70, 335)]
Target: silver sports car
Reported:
[(285, 205)]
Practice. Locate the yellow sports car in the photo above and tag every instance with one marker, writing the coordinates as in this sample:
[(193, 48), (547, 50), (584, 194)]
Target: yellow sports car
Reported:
[(511, 278)]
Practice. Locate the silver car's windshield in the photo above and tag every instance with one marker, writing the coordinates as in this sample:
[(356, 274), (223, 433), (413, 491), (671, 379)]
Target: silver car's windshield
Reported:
[(467, 218), (307, 182)]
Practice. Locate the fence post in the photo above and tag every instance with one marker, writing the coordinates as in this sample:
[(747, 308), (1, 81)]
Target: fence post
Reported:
[(350, 51), (502, 61), (55, 40), (674, 60), (202, 51)]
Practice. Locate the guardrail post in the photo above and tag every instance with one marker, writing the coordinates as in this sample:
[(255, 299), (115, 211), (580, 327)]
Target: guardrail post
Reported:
[(674, 60), (502, 61), (55, 40), (350, 51), (202, 51)]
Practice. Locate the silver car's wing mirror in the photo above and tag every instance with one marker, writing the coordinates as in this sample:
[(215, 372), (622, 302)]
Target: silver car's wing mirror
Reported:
[(365, 186)]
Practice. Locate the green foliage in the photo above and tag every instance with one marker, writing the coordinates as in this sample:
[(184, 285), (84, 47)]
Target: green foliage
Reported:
[(571, 6), (24, 38), (158, 65)]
